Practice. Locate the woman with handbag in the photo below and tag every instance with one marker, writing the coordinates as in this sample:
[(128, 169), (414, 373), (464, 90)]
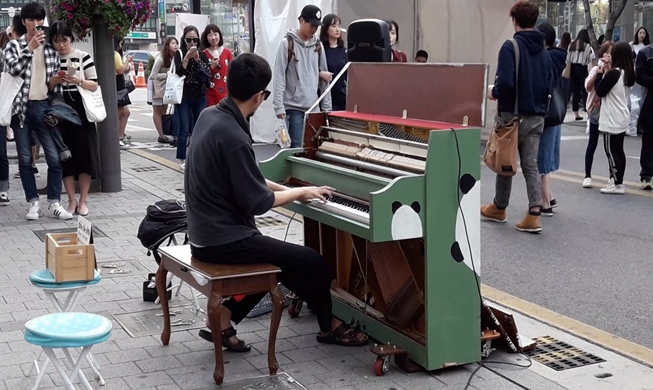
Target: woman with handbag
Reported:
[(579, 58), (548, 157), (193, 64), (124, 87), (79, 72), (158, 76)]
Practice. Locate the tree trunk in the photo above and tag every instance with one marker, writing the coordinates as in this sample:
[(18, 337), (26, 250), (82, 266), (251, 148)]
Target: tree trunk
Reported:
[(590, 26), (617, 8), (47, 4)]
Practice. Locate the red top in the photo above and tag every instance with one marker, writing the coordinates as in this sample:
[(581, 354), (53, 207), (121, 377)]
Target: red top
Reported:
[(218, 88), (399, 56)]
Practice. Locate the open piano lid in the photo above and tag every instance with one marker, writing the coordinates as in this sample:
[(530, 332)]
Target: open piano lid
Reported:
[(451, 93)]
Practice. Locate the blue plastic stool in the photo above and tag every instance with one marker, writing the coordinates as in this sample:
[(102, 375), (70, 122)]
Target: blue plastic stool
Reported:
[(45, 280), (67, 330)]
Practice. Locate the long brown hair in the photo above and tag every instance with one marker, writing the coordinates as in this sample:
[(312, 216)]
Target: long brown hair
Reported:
[(165, 52), (4, 38)]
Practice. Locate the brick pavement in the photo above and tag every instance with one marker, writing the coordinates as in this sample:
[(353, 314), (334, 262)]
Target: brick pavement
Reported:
[(142, 363)]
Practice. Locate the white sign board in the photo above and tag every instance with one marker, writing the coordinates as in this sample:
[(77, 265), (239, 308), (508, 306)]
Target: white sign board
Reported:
[(184, 20), (85, 44), (84, 228)]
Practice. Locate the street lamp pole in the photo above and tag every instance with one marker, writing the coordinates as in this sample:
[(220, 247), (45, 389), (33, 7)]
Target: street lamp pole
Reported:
[(110, 171)]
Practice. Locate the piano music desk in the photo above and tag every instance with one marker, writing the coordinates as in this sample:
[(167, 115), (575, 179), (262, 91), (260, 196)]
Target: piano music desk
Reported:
[(218, 281)]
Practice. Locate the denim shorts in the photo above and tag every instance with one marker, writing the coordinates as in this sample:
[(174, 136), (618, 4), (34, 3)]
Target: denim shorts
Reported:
[(548, 156)]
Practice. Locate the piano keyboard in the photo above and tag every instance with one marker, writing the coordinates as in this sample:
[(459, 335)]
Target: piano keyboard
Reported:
[(342, 206), (359, 213)]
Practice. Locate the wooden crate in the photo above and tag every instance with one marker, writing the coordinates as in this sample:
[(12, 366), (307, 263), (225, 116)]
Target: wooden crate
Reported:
[(67, 260)]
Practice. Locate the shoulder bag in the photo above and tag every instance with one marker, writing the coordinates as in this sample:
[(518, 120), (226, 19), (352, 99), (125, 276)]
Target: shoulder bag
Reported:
[(93, 101), (174, 86), (501, 148), (9, 88)]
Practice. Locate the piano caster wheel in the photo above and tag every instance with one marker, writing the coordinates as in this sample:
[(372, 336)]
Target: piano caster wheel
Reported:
[(381, 366), (295, 308)]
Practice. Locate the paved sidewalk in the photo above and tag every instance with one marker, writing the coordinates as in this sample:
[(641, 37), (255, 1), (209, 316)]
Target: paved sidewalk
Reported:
[(187, 363)]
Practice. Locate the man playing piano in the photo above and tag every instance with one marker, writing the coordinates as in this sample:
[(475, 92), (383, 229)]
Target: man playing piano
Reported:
[(225, 189)]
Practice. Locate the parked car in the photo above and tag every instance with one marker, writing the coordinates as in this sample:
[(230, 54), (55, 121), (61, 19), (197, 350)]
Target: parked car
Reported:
[(140, 56)]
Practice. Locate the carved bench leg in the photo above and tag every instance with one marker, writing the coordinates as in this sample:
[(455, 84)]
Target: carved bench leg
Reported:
[(214, 305), (277, 311), (161, 288)]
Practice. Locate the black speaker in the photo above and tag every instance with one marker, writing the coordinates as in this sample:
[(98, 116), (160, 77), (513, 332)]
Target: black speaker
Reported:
[(368, 40)]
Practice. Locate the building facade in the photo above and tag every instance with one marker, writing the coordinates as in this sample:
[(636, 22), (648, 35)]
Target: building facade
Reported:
[(569, 15)]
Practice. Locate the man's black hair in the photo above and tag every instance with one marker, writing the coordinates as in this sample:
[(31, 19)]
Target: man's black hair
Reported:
[(249, 74), (32, 10), (422, 53), (549, 34)]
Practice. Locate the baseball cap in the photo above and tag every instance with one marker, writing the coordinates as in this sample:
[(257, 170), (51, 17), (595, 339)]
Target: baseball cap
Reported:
[(312, 14)]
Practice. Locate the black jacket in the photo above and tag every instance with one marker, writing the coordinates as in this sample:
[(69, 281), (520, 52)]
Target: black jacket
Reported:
[(535, 75)]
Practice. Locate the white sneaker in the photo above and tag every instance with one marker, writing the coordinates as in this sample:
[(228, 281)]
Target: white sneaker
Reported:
[(587, 183), (613, 189), (34, 211), (57, 211), (4, 199), (182, 164)]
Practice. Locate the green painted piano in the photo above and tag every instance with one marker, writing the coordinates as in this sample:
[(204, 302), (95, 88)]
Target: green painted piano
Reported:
[(402, 231)]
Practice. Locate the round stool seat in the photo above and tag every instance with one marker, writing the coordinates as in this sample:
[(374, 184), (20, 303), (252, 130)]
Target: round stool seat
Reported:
[(67, 330), (43, 278), (41, 341)]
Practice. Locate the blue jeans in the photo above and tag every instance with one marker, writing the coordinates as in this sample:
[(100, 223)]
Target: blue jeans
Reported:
[(188, 112), (4, 162), (295, 121), (34, 121)]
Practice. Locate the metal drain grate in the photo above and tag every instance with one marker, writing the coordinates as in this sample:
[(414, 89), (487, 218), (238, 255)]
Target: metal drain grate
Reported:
[(269, 221), (561, 356), (146, 169), (41, 233)]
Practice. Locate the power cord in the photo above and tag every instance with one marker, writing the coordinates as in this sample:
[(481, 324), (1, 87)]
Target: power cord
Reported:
[(292, 218), (471, 255)]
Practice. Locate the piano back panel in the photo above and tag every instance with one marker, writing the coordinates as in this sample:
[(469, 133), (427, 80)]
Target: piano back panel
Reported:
[(435, 92), (451, 282)]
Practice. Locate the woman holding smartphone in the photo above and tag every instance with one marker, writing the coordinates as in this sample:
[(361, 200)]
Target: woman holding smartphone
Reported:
[(613, 82), (78, 71), (194, 64)]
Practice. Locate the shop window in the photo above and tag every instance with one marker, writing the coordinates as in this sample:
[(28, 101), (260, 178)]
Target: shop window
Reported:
[(232, 16)]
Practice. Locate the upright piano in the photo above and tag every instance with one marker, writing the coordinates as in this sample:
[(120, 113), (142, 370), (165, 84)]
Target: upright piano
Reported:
[(402, 232)]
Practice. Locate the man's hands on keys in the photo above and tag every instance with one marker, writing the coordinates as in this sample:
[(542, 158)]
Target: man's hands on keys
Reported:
[(309, 194)]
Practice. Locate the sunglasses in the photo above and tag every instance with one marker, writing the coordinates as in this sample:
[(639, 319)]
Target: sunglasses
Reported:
[(193, 40), (266, 94)]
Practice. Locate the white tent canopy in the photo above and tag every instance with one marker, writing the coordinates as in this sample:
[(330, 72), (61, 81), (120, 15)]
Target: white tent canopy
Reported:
[(458, 31)]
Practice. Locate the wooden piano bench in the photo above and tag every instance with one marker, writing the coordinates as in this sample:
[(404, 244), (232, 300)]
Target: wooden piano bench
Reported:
[(217, 281)]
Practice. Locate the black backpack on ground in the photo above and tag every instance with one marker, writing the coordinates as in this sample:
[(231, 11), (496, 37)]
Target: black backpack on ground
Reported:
[(163, 219)]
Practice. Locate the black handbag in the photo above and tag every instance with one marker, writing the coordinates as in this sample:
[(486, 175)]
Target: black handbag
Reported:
[(557, 107), (166, 120), (129, 86), (122, 97)]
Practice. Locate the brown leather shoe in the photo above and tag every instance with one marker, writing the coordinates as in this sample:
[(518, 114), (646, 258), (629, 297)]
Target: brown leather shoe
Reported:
[(530, 224), (492, 213)]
